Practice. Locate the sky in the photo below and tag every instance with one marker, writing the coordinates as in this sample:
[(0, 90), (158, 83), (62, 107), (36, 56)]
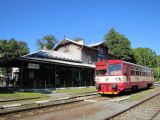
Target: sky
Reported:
[(29, 20)]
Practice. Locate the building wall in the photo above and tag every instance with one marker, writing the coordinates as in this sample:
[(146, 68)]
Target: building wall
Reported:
[(72, 50), (102, 52), (86, 55), (50, 75), (89, 56)]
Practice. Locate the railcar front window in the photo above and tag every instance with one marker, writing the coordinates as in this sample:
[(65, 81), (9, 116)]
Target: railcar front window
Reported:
[(114, 69), (100, 72)]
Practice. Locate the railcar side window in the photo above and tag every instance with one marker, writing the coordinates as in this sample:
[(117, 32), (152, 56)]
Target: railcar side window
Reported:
[(137, 71), (133, 71), (144, 74)]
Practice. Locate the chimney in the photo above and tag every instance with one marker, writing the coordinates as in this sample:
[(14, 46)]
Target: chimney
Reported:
[(44, 47), (80, 41)]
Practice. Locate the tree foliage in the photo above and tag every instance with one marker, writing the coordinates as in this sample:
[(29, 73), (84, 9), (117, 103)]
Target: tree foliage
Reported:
[(157, 68), (47, 42), (119, 45), (12, 49), (158, 60), (145, 56)]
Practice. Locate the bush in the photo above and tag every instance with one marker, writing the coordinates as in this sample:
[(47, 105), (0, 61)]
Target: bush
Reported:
[(6, 90)]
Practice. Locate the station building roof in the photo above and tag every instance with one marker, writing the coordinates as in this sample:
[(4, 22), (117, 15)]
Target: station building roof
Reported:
[(51, 54), (46, 56)]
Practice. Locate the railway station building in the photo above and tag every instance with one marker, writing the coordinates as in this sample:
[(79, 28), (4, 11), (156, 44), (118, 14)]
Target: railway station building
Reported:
[(70, 64)]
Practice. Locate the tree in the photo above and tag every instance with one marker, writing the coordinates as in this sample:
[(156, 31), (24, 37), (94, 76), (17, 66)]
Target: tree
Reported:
[(47, 42), (23, 48), (145, 56), (158, 60), (3, 49), (119, 45), (157, 68), (12, 49)]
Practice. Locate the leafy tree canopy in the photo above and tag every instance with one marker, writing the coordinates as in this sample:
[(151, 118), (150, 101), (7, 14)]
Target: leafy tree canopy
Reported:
[(158, 61), (145, 56), (12, 49), (119, 45), (47, 42)]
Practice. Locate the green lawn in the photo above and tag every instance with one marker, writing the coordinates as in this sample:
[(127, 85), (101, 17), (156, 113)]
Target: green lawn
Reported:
[(143, 93), (77, 90), (20, 95), (25, 95)]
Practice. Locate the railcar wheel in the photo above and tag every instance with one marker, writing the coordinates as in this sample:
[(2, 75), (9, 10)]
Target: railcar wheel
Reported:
[(134, 88), (149, 85), (103, 95)]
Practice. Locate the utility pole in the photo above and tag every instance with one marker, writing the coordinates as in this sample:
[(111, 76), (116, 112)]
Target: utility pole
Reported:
[(158, 74), (144, 59)]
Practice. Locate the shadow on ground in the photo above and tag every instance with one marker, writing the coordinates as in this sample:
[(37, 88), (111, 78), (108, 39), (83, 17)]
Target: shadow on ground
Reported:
[(6, 90)]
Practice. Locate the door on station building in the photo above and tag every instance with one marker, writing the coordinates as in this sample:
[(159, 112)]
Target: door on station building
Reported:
[(47, 77)]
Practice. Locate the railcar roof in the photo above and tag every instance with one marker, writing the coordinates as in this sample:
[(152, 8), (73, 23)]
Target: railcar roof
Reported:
[(119, 61), (136, 65)]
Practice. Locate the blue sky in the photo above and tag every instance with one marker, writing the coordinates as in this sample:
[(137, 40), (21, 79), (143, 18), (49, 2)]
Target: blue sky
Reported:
[(29, 20)]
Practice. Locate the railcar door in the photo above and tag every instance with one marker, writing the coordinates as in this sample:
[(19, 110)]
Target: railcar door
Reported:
[(128, 74)]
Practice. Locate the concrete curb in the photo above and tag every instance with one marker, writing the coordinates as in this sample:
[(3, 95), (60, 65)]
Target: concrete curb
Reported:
[(42, 101), (10, 106)]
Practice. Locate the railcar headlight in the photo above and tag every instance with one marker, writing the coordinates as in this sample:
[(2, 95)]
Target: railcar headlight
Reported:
[(118, 79)]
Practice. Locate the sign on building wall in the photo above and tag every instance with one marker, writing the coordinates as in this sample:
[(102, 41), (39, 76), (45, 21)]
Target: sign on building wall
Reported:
[(33, 66)]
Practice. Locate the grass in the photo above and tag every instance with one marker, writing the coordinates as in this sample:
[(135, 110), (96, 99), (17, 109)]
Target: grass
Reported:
[(157, 79), (143, 93), (77, 91), (20, 95), (26, 95)]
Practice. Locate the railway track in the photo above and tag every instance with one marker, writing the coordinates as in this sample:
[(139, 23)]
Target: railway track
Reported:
[(147, 109), (80, 101), (61, 107), (33, 105), (144, 109)]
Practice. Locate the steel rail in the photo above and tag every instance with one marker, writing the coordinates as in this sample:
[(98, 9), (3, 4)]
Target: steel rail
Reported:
[(50, 104), (133, 106)]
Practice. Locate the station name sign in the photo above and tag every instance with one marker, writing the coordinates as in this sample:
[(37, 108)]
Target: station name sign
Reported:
[(33, 66)]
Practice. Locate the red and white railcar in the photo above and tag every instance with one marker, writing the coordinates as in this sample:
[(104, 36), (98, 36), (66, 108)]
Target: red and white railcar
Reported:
[(114, 76)]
